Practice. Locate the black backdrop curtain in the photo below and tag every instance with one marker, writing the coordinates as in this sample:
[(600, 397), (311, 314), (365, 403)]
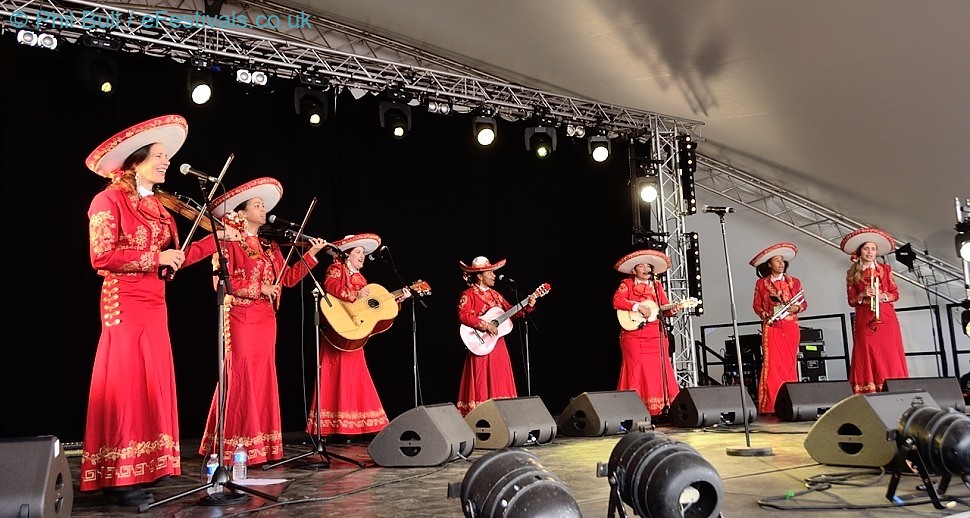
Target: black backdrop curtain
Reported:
[(435, 198)]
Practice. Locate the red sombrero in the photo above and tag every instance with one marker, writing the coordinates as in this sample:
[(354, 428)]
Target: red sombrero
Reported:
[(658, 260), (269, 189), (168, 130), (481, 264), (369, 242), (853, 240), (787, 251)]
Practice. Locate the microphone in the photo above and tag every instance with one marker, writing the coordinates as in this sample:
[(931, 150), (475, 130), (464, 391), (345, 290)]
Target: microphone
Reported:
[(187, 169), (282, 222), (717, 210), (505, 278), (379, 251)]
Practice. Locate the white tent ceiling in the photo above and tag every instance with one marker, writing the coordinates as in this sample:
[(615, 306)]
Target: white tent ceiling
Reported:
[(860, 105)]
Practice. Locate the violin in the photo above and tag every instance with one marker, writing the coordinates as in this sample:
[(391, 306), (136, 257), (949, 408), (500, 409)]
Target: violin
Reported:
[(185, 206)]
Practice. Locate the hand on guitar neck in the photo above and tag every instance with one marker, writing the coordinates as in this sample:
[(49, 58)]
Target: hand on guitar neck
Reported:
[(633, 320)]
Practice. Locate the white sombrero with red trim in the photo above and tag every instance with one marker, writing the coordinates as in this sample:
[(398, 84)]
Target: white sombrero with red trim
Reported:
[(269, 189), (853, 240), (168, 130), (481, 264), (787, 251), (658, 260), (369, 242)]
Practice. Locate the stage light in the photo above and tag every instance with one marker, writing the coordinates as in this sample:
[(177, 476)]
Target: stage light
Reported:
[(661, 478), (439, 107), (397, 117), (484, 129), (686, 154), (693, 260), (33, 39), (937, 442), (648, 192), (253, 77), (906, 256), (575, 130), (599, 148), (199, 86), (541, 138), (512, 483), (311, 104), (962, 240)]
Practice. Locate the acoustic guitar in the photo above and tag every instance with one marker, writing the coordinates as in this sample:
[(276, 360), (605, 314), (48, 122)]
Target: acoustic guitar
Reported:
[(633, 320), (352, 323), (481, 343)]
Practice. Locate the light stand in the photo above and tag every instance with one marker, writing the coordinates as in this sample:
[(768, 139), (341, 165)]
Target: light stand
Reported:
[(749, 451), (319, 448), (220, 479)]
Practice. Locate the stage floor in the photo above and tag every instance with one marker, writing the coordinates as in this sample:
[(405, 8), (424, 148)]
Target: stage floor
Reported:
[(749, 482)]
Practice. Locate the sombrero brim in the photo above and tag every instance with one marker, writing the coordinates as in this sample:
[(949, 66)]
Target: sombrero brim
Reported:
[(852, 241), (269, 189), (658, 260), (369, 242), (490, 267), (168, 130), (787, 251)]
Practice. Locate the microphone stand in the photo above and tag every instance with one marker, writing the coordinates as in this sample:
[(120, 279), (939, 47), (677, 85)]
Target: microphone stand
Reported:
[(664, 347), (749, 451), (525, 340), (220, 479), (414, 332), (319, 446)]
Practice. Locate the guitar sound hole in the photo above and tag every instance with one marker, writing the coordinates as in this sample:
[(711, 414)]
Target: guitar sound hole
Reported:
[(373, 303)]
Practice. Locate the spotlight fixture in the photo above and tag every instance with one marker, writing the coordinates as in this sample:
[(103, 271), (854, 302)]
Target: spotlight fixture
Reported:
[(661, 478), (511, 482), (199, 85), (311, 104), (599, 148), (397, 117), (575, 130), (541, 138), (100, 42), (33, 39), (484, 129), (648, 192), (686, 154), (906, 256), (693, 260), (439, 107), (254, 77), (937, 442), (99, 72), (962, 239)]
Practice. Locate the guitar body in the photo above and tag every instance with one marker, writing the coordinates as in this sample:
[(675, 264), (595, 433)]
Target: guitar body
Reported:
[(352, 323), (633, 320), (481, 343)]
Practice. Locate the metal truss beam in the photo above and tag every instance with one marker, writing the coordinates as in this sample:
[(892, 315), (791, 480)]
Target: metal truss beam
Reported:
[(292, 44), (932, 274)]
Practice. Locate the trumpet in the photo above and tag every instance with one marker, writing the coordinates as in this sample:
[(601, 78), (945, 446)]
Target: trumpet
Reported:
[(785, 310), (874, 300)]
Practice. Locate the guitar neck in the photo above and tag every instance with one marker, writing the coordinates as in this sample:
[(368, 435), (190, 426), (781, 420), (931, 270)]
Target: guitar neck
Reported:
[(513, 310)]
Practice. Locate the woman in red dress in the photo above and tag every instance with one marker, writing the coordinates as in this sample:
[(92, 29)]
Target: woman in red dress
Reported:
[(252, 405), (646, 365), (131, 436), (486, 376), (775, 289), (349, 404), (877, 349)]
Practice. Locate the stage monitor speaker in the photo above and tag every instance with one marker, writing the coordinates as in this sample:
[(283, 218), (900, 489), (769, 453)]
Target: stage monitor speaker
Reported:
[(697, 407), (35, 479), (807, 401), (945, 391), (592, 414), (861, 429), (428, 435), (500, 423)]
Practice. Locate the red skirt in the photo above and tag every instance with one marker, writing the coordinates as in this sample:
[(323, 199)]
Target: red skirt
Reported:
[(779, 345), (486, 377), (877, 350), (252, 407), (349, 404), (646, 368)]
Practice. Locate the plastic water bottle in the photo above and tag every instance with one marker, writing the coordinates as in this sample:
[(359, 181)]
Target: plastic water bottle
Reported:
[(239, 460), (210, 469)]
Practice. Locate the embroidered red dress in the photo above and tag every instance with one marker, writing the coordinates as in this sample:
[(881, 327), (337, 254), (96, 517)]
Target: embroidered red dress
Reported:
[(487, 376), (252, 405), (131, 433), (877, 349), (779, 341), (349, 404), (646, 365)]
